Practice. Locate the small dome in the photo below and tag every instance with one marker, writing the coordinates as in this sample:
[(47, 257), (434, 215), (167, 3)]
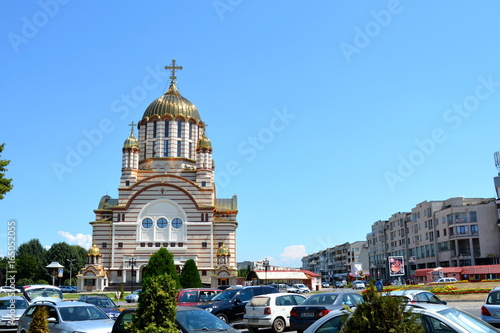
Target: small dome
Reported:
[(172, 103), (94, 251), (223, 251), (204, 142), (131, 142)]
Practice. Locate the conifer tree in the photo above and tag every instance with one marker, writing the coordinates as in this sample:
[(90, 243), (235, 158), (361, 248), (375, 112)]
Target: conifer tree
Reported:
[(156, 308), (190, 277), (381, 314), (5, 183), (39, 323), (160, 263)]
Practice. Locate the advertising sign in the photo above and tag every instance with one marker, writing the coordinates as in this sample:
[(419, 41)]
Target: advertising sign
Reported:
[(60, 272), (396, 266)]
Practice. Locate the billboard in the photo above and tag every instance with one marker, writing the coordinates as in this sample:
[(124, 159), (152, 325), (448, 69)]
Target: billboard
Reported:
[(396, 266)]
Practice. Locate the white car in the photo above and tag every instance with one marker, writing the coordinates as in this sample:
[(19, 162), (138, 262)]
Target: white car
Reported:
[(270, 311), (358, 284), (8, 290), (434, 318), (302, 288)]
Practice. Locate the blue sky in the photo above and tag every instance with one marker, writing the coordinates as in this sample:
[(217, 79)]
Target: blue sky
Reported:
[(325, 117)]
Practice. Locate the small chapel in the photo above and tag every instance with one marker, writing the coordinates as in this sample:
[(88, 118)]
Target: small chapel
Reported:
[(166, 198)]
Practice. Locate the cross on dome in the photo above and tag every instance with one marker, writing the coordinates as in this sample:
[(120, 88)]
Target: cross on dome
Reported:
[(173, 68), (132, 128)]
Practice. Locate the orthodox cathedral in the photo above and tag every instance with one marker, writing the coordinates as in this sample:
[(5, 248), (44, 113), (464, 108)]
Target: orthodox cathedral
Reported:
[(166, 198)]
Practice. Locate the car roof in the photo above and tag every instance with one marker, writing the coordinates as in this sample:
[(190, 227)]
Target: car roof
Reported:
[(4, 298), (403, 292), (279, 294), (62, 304), (495, 289)]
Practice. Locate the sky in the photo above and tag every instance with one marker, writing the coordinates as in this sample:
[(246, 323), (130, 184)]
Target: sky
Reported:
[(325, 117)]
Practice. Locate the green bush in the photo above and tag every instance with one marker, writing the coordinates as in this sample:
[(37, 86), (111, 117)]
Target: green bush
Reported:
[(42, 282), (39, 324), (24, 282), (381, 314)]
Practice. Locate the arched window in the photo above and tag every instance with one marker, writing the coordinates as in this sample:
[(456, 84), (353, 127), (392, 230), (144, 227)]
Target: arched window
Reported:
[(179, 128), (147, 223), (176, 223), (162, 223)]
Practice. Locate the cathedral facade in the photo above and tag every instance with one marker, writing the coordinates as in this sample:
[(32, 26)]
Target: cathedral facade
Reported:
[(166, 198)]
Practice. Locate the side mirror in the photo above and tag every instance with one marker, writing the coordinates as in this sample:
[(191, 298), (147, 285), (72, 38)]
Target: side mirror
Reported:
[(52, 320)]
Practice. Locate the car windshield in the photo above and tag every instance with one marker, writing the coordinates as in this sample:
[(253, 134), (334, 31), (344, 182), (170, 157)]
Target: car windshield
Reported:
[(42, 292), (81, 313), (101, 302), (189, 296), (469, 322), (259, 301), (225, 295), (13, 304), (493, 298), (200, 320), (320, 299)]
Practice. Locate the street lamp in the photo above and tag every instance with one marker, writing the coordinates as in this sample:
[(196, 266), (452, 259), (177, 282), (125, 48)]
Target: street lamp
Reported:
[(71, 261), (265, 262), (132, 262)]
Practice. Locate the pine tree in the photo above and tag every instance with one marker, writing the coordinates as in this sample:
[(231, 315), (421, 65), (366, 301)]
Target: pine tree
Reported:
[(156, 308), (190, 277), (381, 314), (39, 324), (5, 183), (160, 263)]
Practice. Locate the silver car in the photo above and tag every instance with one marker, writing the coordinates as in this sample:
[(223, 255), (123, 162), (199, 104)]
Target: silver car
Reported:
[(69, 317), (11, 309), (490, 311), (134, 297)]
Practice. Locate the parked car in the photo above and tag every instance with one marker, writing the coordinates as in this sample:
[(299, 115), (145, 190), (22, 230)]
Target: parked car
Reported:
[(270, 311), (229, 305), (68, 317), (285, 288), (68, 289), (358, 284), (133, 297), (446, 280), (416, 296), (195, 296), (11, 309), (339, 284), (38, 292), (490, 310), (105, 303), (319, 305), (9, 289), (302, 288), (187, 319), (325, 285), (434, 318)]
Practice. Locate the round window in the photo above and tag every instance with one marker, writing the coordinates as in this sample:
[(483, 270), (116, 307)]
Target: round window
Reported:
[(147, 223), (162, 223), (176, 223)]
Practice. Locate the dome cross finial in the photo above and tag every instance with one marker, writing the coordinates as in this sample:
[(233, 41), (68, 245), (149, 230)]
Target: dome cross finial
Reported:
[(173, 68), (132, 128)]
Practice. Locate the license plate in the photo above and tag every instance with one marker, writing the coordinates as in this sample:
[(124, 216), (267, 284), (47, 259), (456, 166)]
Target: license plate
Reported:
[(253, 320), (307, 314)]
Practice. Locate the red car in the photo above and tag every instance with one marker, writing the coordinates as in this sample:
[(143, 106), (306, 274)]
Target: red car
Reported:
[(195, 296)]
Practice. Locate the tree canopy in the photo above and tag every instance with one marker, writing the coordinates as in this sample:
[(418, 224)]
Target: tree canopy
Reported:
[(5, 183), (190, 277), (162, 262)]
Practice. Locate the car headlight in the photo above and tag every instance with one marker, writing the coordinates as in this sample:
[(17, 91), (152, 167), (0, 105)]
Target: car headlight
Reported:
[(209, 309)]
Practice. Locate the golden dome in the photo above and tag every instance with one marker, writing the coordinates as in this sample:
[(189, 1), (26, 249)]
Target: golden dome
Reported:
[(204, 142), (172, 103), (223, 251), (94, 251), (131, 142)]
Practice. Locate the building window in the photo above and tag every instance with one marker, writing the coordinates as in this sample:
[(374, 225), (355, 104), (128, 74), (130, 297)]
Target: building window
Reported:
[(203, 184), (161, 223), (154, 148), (189, 151), (119, 273), (155, 126), (444, 232), (474, 229), (179, 148), (203, 273), (147, 223), (203, 244), (172, 244), (190, 130), (104, 245), (473, 216), (462, 230), (150, 244), (143, 244), (120, 244), (176, 223), (165, 148), (127, 183), (157, 244), (179, 129), (181, 244), (167, 129)]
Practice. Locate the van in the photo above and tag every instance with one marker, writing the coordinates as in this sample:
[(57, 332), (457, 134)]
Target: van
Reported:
[(446, 280)]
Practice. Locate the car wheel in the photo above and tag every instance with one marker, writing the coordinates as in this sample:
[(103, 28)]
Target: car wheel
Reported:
[(222, 317), (278, 325)]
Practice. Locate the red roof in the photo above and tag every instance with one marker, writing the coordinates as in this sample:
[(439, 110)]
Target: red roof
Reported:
[(470, 270), (309, 273)]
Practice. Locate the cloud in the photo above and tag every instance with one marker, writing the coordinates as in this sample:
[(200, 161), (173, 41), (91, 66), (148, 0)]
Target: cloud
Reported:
[(84, 241), (293, 253)]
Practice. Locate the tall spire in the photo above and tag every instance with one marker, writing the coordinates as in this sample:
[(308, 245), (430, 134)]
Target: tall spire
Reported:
[(173, 68)]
